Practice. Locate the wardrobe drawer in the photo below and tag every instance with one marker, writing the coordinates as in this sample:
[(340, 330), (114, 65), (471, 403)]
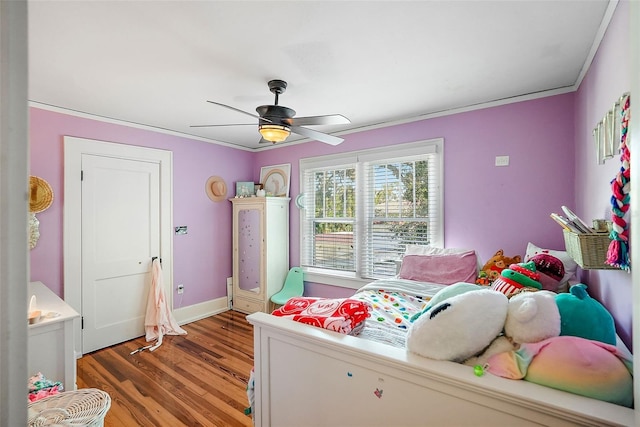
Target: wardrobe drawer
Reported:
[(247, 306)]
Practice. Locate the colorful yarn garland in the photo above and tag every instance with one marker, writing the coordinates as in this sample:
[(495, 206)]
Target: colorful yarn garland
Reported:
[(618, 253)]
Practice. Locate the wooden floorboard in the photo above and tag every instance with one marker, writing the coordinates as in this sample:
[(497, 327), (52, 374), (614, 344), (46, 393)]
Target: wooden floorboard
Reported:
[(198, 379)]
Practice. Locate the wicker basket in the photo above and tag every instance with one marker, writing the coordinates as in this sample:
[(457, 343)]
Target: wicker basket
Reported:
[(84, 407), (589, 251)]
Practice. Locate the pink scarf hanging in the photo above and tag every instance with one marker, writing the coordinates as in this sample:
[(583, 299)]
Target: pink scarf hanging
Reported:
[(159, 320), (618, 253)]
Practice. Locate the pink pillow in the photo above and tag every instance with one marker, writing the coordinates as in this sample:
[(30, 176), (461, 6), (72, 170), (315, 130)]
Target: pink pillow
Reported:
[(445, 269)]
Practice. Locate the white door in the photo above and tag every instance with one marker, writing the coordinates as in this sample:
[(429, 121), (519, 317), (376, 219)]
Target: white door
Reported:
[(120, 235), (117, 216)]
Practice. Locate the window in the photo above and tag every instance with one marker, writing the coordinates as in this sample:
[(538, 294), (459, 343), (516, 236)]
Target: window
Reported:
[(362, 208)]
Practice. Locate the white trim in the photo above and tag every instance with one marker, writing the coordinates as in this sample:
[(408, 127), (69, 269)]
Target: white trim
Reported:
[(443, 113), (328, 161), (95, 117), (194, 312), (602, 29), (368, 127), (201, 310), (341, 280), (410, 149), (74, 148), (604, 24), (426, 146)]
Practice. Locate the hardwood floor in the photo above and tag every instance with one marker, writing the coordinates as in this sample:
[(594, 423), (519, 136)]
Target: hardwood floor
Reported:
[(198, 379)]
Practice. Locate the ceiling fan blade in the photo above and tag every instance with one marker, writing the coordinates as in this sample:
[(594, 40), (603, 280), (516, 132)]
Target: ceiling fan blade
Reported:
[(264, 141), (318, 136), (331, 119), (230, 124), (240, 111)]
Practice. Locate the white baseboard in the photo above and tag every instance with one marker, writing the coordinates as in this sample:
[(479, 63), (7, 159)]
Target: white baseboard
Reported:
[(200, 311), (192, 313)]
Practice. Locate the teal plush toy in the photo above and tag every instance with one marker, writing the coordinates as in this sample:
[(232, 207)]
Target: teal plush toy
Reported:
[(582, 316)]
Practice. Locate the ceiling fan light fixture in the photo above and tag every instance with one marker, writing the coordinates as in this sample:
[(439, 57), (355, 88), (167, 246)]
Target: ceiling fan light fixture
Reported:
[(274, 133)]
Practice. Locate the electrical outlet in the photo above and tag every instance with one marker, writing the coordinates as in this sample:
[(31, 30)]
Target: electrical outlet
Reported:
[(181, 288)]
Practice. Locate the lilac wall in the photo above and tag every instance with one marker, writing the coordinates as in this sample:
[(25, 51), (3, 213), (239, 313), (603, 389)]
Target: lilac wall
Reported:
[(607, 79), (552, 163), (202, 258), (486, 207)]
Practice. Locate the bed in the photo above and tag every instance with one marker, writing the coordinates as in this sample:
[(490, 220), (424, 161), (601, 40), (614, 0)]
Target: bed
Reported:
[(308, 376)]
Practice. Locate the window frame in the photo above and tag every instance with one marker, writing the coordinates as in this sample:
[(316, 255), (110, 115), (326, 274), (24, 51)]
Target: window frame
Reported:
[(406, 150)]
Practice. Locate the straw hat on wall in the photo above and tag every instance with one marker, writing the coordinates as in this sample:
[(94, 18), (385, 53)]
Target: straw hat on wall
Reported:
[(40, 194), (216, 188)]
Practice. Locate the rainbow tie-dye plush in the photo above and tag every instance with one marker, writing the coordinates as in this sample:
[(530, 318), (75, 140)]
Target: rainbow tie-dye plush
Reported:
[(577, 365)]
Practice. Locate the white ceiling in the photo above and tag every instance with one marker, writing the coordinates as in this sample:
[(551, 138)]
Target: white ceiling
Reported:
[(156, 63)]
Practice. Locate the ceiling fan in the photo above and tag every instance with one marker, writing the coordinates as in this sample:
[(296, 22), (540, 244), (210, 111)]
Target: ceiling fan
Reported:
[(277, 122)]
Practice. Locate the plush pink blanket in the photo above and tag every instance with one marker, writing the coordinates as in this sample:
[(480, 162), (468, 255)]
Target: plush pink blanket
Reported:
[(341, 315)]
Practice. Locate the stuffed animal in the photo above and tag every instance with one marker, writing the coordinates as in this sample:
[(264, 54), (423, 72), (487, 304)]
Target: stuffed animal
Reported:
[(582, 316), (460, 326), (546, 346), (492, 268), (483, 279), (551, 270), (516, 278), (531, 317), (447, 292), (574, 364)]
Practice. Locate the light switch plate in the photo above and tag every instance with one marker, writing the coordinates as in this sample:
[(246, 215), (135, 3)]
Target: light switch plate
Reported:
[(502, 160)]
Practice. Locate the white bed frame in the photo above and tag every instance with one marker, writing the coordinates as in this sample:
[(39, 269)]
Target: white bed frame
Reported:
[(307, 376)]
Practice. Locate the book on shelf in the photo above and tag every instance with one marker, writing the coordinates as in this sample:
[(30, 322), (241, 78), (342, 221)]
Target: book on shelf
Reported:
[(577, 221), (572, 222), (564, 222)]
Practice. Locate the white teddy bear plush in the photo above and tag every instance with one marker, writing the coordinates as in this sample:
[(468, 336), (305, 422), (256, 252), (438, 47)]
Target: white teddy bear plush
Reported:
[(459, 327), (531, 317)]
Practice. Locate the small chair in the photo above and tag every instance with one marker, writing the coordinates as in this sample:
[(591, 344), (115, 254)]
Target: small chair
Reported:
[(293, 287)]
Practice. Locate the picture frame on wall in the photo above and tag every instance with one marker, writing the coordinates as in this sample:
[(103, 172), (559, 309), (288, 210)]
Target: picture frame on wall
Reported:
[(276, 179), (244, 189)]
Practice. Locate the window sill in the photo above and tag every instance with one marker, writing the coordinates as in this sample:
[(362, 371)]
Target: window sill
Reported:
[(336, 279)]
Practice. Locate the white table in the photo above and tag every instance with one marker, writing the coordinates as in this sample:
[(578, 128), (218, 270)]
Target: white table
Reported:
[(51, 340)]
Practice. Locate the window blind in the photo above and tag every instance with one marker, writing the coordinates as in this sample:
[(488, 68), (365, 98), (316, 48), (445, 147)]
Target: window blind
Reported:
[(361, 209), (400, 199), (329, 216)]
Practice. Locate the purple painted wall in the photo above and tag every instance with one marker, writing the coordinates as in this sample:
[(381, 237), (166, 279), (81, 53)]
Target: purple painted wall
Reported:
[(202, 258), (607, 79), (486, 207), (552, 163)]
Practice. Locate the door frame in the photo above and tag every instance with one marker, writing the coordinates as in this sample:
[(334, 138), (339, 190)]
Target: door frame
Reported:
[(74, 149)]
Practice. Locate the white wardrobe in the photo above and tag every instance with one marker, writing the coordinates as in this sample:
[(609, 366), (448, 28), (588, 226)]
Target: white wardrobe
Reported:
[(260, 251)]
